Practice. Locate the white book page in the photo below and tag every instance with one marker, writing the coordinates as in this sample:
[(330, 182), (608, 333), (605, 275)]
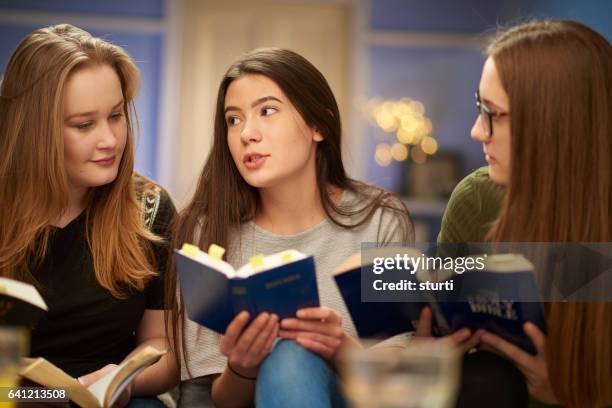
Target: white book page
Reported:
[(119, 377), (98, 389), (270, 262), (507, 263), (214, 263), (101, 393), (23, 291)]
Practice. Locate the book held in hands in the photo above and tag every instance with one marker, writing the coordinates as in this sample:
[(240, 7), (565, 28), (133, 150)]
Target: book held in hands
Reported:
[(214, 292), (500, 296), (102, 393)]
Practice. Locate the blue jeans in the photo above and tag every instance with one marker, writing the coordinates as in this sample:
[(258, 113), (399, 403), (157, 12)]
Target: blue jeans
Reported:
[(145, 402), (292, 376)]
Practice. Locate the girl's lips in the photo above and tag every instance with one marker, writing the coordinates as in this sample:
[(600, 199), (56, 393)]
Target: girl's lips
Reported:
[(490, 159), (254, 161), (108, 161)]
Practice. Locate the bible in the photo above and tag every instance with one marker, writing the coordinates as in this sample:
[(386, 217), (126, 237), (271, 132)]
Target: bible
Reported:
[(214, 292)]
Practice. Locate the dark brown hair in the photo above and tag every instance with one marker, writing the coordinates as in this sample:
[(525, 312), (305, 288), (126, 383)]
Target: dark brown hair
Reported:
[(558, 77), (223, 199)]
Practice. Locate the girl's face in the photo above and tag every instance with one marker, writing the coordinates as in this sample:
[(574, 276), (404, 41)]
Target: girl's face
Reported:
[(496, 141), (95, 127), (267, 137)]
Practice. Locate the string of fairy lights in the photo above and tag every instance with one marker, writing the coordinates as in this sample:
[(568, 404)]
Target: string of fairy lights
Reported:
[(406, 120)]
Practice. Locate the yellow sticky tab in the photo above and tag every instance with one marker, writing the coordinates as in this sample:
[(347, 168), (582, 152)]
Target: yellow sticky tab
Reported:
[(2, 289), (190, 250), (216, 251), (257, 261), (286, 256)]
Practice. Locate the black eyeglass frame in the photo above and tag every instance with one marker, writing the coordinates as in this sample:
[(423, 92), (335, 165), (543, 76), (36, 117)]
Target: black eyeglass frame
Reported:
[(481, 107)]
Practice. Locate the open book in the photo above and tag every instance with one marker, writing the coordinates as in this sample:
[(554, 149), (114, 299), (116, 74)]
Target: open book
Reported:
[(500, 298), (101, 394), (20, 303), (214, 292)]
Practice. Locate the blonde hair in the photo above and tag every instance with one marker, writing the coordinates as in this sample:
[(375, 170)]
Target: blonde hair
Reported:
[(33, 181), (558, 77)]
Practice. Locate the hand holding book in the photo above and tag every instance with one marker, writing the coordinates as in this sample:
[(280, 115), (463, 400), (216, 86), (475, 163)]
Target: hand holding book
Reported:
[(89, 379), (533, 367), (463, 338), (247, 345), (318, 329)]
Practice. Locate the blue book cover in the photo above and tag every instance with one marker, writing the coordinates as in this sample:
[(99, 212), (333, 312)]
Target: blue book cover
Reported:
[(373, 319), (501, 298), (213, 292)]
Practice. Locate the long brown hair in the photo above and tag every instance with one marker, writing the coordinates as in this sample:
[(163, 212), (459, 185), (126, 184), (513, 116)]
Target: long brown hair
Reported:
[(558, 77), (33, 181), (223, 199)]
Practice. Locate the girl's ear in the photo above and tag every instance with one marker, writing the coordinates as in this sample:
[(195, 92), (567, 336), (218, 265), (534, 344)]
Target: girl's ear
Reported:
[(317, 136)]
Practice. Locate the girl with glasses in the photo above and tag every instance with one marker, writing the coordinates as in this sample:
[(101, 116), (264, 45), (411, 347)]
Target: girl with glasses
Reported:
[(545, 124)]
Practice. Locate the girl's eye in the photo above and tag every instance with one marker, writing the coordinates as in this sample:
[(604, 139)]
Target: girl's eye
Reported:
[(232, 120), (116, 115), (84, 125), (268, 110)]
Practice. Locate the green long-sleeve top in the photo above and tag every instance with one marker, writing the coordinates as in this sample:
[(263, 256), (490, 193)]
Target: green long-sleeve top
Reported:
[(471, 209)]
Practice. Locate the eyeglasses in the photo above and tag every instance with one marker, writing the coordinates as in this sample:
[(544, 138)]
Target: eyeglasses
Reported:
[(486, 115)]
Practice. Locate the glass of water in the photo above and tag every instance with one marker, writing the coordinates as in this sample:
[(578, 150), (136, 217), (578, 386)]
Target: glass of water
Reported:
[(425, 374)]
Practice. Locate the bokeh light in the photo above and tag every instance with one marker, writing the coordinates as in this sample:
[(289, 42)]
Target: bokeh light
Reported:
[(406, 119)]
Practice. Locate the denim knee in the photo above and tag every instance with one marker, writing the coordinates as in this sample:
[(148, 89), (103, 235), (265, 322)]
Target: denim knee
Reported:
[(145, 402), (289, 361), (296, 377)]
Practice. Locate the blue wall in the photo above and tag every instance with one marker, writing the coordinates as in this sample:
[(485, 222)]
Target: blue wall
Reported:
[(119, 8), (595, 13), (449, 16)]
